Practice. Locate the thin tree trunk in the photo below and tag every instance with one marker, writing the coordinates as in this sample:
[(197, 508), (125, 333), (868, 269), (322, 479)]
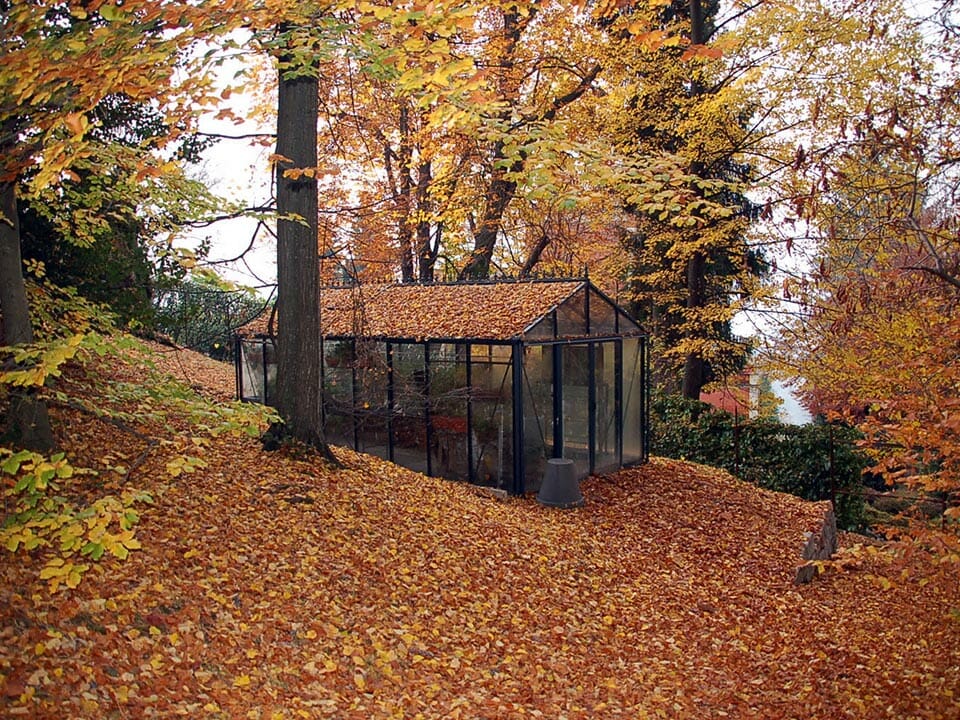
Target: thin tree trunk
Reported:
[(693, 368), (499, 194), (501, 191), (298, 293), (27, 423), (406, 233), (534, 257), (426, 252)]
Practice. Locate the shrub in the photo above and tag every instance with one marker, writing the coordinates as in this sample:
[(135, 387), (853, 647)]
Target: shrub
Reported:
[(815, 461)]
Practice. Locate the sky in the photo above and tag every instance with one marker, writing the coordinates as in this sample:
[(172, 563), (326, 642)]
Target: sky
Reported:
[(791, 412), (238, 170)]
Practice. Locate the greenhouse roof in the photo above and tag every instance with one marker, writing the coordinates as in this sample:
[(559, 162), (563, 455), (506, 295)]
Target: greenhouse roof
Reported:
[(468, 311)]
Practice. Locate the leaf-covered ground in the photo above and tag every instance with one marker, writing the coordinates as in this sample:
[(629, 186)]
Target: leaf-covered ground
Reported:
[(272, 586)]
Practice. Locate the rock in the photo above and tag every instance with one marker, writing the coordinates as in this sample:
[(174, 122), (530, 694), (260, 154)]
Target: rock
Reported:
[(495, 493), (819, 545)]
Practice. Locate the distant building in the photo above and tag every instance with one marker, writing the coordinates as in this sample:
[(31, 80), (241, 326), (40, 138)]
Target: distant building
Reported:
[(752, 395), (735, 400)]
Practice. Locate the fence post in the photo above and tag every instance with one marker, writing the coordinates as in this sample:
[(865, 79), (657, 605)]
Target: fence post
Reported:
[(736, 442), (830, 472)]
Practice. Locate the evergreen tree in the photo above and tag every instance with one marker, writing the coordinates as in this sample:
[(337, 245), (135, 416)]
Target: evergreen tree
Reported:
[(690, 276)]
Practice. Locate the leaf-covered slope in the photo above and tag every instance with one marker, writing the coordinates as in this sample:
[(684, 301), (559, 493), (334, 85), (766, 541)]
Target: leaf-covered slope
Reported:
[(271, 586)]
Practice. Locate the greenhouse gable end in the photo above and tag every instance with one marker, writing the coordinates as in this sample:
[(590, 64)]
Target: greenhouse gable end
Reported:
[(482, 382)]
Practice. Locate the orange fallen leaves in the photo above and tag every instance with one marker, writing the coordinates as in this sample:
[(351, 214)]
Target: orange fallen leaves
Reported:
[(498, 311), (390, 595)]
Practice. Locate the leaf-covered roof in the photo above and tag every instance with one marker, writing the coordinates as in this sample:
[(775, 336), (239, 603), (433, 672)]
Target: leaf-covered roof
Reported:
[(488, 311)]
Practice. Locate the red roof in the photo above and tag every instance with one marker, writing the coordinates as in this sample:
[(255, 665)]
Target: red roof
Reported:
[(733, 400)]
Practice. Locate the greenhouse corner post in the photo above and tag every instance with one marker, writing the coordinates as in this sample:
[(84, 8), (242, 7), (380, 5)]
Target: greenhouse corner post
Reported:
[(592, 406), (391, 407), (471, 450), (266, 375), (618, 397), (645, 397), (519, 483), (427, 415), (238, 364), (556, 351)]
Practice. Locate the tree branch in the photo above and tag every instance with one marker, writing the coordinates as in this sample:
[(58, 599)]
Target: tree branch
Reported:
[(245, 136), (229, 216), (946, 277)]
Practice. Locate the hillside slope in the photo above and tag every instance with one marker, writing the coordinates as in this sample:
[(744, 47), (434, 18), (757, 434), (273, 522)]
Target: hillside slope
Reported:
[(272, 586)]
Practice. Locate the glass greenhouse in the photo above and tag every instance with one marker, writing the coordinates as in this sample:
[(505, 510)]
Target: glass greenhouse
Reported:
[(481, 382)]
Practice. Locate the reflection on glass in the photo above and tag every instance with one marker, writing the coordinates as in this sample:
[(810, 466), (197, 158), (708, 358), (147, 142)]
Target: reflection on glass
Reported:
[(603, 316), (409, 406), (258, 371), (372, 408), (572, 316), (632, 397), (606, 455), (545, 329), (449, 442), (537, 413), (627, 326), (492, 398), (338, 429), (576, 406)]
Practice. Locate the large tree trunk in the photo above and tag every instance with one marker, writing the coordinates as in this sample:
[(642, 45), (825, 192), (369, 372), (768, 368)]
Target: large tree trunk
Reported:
[(693, 369), (298, 293), (426, 249), (27, 423)]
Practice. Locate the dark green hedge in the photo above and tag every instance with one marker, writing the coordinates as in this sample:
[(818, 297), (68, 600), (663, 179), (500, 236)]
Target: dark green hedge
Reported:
[(814, 461)]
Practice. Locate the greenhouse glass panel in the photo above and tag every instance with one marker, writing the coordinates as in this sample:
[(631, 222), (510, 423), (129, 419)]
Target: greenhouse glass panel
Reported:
[(575, 392), (372, 376), (606, 455), (258, 369), (338, 428), (409, 406), (545, 329), (626, 325), (491, 394), (572, 316), (603, 316), (632, 401), (338, 374), (537, 413), (338, 359), (373, 434), (372, 407), (449, 441)]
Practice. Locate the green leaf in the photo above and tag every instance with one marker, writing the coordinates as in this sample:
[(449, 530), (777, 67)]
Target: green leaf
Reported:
[(11, 465), (93, 550), (111, 13)]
